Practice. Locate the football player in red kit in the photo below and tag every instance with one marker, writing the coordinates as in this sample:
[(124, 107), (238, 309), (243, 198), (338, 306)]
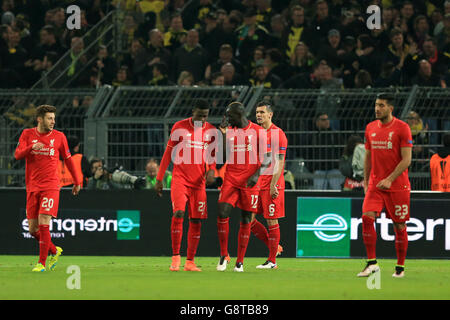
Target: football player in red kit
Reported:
[(41, 147), (188, 149), (271, 184), (246, 147), (386, 182)]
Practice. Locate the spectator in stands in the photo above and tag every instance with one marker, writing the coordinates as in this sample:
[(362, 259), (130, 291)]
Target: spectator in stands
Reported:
[(442, 35), (363, 80), (421, 30), (225, 56), (351, 164), (276, 64), (368, 58), (264, 13), (155, 50), (323, 155), (295, 32), (321, 24), (439, 61), (190, 57), (186, 79), (48, 42), (264, 78), (122, 77), (160, 75), (275, 37), (136, 61), (129, 28), (425, 76), (212, 36), (350, 62), (250, 35), (176, 35), (400, 54), (13, 58), (258, 53), (328, 80), (389, 76), (332, 50), (407, 13), (420, 135), (302, 60), (217, 79), (76, 61), (151, 170), (231, 78), (307, 80), (104, 65)]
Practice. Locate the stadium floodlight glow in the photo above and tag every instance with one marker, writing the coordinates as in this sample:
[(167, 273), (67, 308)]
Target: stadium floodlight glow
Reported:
[(319, 227)]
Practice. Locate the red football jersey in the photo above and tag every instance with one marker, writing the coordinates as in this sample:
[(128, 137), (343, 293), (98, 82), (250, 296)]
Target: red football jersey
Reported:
[(246, 147), (385, 142), (188, 149), (41, 165), (276, 145)]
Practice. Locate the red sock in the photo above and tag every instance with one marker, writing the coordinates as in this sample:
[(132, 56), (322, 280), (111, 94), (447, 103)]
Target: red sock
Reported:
[(369, 236), (401, 245), (243, 237), (176, 232), (37, 236), (44, 242), (274, 240), (260, 232), (223, 229), (193, 239)]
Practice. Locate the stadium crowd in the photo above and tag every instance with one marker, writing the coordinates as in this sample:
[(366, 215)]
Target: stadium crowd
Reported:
[(296, 44)]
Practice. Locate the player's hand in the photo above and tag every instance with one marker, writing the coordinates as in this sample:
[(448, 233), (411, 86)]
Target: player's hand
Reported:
[(38, 146), (223, 125), (384, 184), (251, 182), (76, 190), (274, 191), (159, 187), (210, 179)]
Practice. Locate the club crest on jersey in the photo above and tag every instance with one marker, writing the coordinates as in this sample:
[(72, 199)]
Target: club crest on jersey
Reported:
[(51, 142)]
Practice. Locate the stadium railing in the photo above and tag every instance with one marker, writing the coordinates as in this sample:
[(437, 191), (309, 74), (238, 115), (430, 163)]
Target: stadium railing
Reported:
[(103, 33), (127, 125)]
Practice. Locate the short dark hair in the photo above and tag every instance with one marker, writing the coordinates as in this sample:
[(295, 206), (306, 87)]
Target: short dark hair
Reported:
[(201, 104), (446, 140), (389, 97), (43, 109), (236, 105), (265, 103)]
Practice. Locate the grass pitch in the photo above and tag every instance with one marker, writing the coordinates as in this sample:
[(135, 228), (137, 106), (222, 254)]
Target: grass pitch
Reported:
[(150, 278)]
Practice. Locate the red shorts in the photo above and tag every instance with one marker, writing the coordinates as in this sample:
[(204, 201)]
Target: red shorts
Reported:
[(42, 202), (271, 208), (395, 202), (193, 197), (245, 199)]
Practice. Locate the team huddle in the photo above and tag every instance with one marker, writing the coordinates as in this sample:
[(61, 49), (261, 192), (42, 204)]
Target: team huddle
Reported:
[(254, 156)]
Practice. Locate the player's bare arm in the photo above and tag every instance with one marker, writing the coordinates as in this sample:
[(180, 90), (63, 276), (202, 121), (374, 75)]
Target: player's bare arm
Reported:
[(406, 153), (367, 169), (278, 171)]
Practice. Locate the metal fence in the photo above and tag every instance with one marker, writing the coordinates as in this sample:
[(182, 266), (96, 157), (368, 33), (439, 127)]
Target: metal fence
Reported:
[(128, 125)]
